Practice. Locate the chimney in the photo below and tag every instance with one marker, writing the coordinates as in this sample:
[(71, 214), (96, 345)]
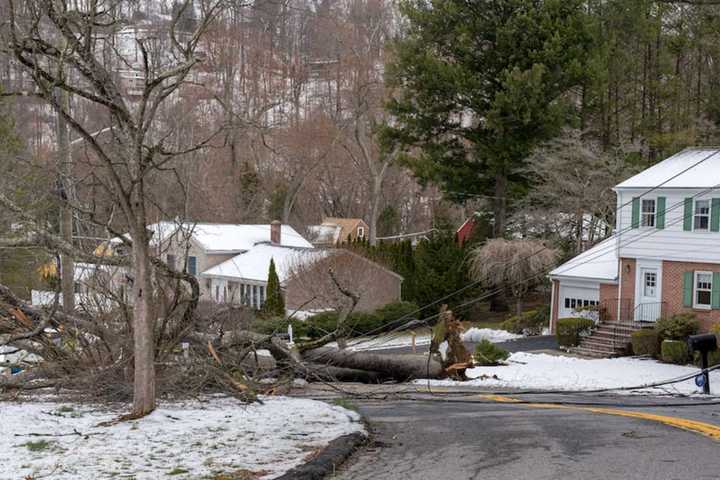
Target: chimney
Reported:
[(275, 227)]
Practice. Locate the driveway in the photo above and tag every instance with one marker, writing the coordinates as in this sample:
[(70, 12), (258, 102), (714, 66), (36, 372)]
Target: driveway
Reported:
[(423, 439)]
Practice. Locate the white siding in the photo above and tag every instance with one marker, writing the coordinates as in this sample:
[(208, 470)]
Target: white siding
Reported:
[(670, 243)]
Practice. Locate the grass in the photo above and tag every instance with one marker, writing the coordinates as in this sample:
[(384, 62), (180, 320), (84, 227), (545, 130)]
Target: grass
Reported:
[(345, 403), (178, 471), (37, 446)]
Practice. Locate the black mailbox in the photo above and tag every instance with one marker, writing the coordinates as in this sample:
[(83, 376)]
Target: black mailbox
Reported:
[(707, 342), (703, 343)]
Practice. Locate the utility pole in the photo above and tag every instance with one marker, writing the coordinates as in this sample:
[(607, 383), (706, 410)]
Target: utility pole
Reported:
[(64, 168)]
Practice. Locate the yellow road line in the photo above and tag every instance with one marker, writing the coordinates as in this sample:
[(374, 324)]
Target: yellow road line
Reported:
[(706, 429)]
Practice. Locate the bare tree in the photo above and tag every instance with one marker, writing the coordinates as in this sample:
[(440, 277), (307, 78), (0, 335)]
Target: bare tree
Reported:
[(79, 48)]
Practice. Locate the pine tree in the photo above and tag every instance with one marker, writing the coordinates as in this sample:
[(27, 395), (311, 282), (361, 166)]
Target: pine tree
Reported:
[(274, 305)]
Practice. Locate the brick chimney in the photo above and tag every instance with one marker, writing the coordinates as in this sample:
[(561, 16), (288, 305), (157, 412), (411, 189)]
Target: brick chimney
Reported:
[(275, 232)]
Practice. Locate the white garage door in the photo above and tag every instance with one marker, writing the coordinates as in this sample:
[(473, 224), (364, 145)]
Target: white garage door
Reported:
[(574, 298)]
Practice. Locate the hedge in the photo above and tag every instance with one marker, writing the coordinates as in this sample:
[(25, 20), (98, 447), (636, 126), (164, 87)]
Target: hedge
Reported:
[(569, 330), (489, 354), (645, 342), (531, 322), (674, 351), (677, 327), (387, 317)]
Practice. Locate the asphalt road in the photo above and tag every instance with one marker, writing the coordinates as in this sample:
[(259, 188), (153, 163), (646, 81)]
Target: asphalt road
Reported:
[(525, 344), (490, 440)]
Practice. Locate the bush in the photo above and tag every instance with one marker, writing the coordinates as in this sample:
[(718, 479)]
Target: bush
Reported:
[(531, 322), (677, 327), (321, 324), (390, 313), (487, 353), (713, 358), (674, 351), (271, 325), (361, 323), (645, 342), (569, 330)]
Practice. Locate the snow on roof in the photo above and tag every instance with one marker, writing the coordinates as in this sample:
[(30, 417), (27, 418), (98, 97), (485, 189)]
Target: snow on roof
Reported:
[(598, 263), (228, 237), (690, 168), (255, 263), (325, 233)]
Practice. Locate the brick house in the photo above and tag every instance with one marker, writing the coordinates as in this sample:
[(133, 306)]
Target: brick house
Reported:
[(664, 257), (335, 231)]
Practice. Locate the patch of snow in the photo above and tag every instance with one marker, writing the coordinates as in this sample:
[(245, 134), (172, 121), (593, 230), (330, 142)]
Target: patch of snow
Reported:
[(190, 440), (531, 371), (476, 335)]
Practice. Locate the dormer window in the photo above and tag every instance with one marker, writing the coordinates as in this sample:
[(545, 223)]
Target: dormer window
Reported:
[(702, 215), (647, 217)]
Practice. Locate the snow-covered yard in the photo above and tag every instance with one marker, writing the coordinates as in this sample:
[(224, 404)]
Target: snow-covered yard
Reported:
[(475, 335), (197, 440), (550, 372)]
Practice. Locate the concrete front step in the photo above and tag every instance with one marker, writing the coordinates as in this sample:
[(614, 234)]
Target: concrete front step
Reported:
[(592, 353)]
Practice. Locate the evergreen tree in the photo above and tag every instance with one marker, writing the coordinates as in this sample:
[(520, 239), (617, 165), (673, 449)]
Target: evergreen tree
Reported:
[(480, 85), (274, 305)]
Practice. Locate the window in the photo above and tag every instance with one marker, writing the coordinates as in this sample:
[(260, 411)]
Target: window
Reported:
[(648, 213), (217, 293), (650, 285), (171, 261), (192, 265), (703, 289), (702, 215), (361, 232)]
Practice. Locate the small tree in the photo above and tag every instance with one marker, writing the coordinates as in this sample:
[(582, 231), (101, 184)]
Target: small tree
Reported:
[(274, 305), (515, 266)]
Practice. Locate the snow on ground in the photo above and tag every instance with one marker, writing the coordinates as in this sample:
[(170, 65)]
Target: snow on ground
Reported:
[(475, 335), (181, 440), (549, 372)]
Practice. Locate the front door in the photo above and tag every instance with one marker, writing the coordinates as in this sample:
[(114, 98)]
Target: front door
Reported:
[(648, 307)]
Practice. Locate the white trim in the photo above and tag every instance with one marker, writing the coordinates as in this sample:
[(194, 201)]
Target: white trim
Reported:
[(695, 214), (700, 306), (648, 264)]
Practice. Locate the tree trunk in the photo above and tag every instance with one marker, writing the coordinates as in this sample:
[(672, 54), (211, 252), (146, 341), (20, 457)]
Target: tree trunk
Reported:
[(143, 323), (375, 206), (64, 166), (398, 367), (518, 306), (500, 205)]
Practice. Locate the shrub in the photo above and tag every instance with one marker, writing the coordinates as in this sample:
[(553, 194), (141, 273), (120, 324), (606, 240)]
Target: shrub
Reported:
[(674, 351), (321, 324), (645, 342), (677, 327), (392, 312), (361, 323), (569, 330), (713, 358), (487, 353), (271, 325), (531, 322)]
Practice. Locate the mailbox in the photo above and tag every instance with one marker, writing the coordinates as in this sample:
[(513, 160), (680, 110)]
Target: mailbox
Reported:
[(706, 342), (703, 343)]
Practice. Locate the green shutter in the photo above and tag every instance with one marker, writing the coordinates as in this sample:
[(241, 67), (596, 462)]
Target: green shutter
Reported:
[(660, 222), (635, 212), (688, 280), (715, 215), (716, 291), (688, 215)]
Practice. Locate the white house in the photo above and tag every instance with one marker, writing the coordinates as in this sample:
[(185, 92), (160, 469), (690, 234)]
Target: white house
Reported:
[(664, 257)]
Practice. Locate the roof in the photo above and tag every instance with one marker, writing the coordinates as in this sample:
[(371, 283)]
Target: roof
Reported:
[(254, 264), (598, 263), (325, 234), (228, 237), (690, 168), (347, 225)]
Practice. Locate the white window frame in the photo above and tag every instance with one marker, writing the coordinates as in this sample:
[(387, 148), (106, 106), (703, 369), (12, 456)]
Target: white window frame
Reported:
[(361, 232), (696, 290), (706, 215), (648, 219)]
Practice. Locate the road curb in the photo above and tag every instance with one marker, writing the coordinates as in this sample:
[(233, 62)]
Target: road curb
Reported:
[(328, 459)]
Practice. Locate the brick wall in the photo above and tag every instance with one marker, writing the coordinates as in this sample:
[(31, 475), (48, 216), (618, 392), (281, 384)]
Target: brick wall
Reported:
[(608, 300), (672, 291), (627, 273)]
